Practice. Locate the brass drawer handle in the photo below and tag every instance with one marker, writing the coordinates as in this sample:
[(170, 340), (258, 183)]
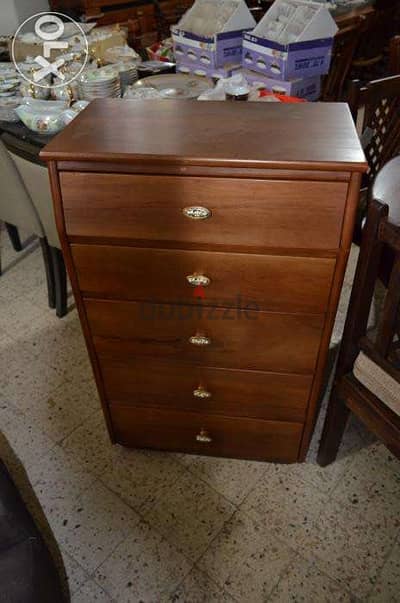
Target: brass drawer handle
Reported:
[(199, 340), (202, 393), (203, 437), (197, 212), (198, 279)]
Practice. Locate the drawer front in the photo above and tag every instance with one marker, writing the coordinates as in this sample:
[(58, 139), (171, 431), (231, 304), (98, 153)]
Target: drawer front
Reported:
[(282, 283), (232, 338), (231, 437), (138, 381), (256, 213)]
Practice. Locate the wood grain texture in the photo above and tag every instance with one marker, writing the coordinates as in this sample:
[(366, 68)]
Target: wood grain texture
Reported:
[(161, 275), (347, 232), (231, 436), (59, 217), (282, 184), (258, 213), (133, 380), (240, 338), (203, 170), (248, 135)]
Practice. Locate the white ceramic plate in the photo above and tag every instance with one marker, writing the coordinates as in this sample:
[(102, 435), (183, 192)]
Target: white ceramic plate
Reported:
[(175, 85)]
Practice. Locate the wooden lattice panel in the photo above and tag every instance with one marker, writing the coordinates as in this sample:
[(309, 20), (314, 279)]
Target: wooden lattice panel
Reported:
[(382, 120)]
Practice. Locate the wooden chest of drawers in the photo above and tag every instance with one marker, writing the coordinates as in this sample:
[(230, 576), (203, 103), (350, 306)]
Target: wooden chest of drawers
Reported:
[(206, 245)]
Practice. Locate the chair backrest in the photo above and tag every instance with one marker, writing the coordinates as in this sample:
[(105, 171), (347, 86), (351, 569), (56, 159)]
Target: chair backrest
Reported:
[(381, 233), (394, 56), (16, 206), (167, 15), (379, 102), (379, 27), (345, 44), (34, 176)]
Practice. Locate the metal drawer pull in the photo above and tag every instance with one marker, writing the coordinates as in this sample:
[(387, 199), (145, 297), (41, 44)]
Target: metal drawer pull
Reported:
[(203, 437), (197, 212), (195, 280), (200, 340), (200, 392)]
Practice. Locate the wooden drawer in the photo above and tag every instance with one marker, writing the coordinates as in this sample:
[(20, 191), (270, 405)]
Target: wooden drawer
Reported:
[(250, 213), (231, 437), (239, 338), (283, 283), (138, 381)]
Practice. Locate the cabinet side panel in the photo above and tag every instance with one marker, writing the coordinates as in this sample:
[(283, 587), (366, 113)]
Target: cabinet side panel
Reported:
[(60, 222), (341, 263)]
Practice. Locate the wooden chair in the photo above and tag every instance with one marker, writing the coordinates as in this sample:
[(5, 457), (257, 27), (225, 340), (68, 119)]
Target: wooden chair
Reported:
[(367, 379), (22, 158), (139, 39), (345, 44), (375, 107), (379, 27), (378, 104), (169, 14), (394, 56), (18, 211), (14, 237)]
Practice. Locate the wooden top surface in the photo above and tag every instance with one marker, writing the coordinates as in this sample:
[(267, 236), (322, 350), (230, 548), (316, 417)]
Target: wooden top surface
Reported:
[(227, 134)]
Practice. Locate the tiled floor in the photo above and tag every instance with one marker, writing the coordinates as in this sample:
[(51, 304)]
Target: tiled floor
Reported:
[(145, 526)]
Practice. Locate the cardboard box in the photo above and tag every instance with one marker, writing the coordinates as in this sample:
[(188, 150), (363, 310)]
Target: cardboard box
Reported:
[(309, 55), (214, 73), (210, 53), (307, 88)]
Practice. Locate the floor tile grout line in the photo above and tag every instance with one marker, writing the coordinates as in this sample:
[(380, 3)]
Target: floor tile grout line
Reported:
[(91, 579), (211, 486), (315, 561), (271, 532), (284, 570), (198, 475), (140, 512), (180, 583), (89, 416), (152, 528), (143, 519), (143, 516), (95, 570), (29, 417), (347, 504), (198, 569), (62, 551), (61, 443)]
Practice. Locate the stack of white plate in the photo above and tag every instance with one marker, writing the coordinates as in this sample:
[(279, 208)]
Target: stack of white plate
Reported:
[(9, 80), (9, 92), (100, 83), (128, 73), (8, 106)]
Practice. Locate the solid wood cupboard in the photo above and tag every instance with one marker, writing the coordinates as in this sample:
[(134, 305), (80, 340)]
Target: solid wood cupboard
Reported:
[(206, 245)]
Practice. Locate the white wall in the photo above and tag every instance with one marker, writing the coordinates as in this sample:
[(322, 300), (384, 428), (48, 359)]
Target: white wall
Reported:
[(8, 17), (26, 8), (14, 12)]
